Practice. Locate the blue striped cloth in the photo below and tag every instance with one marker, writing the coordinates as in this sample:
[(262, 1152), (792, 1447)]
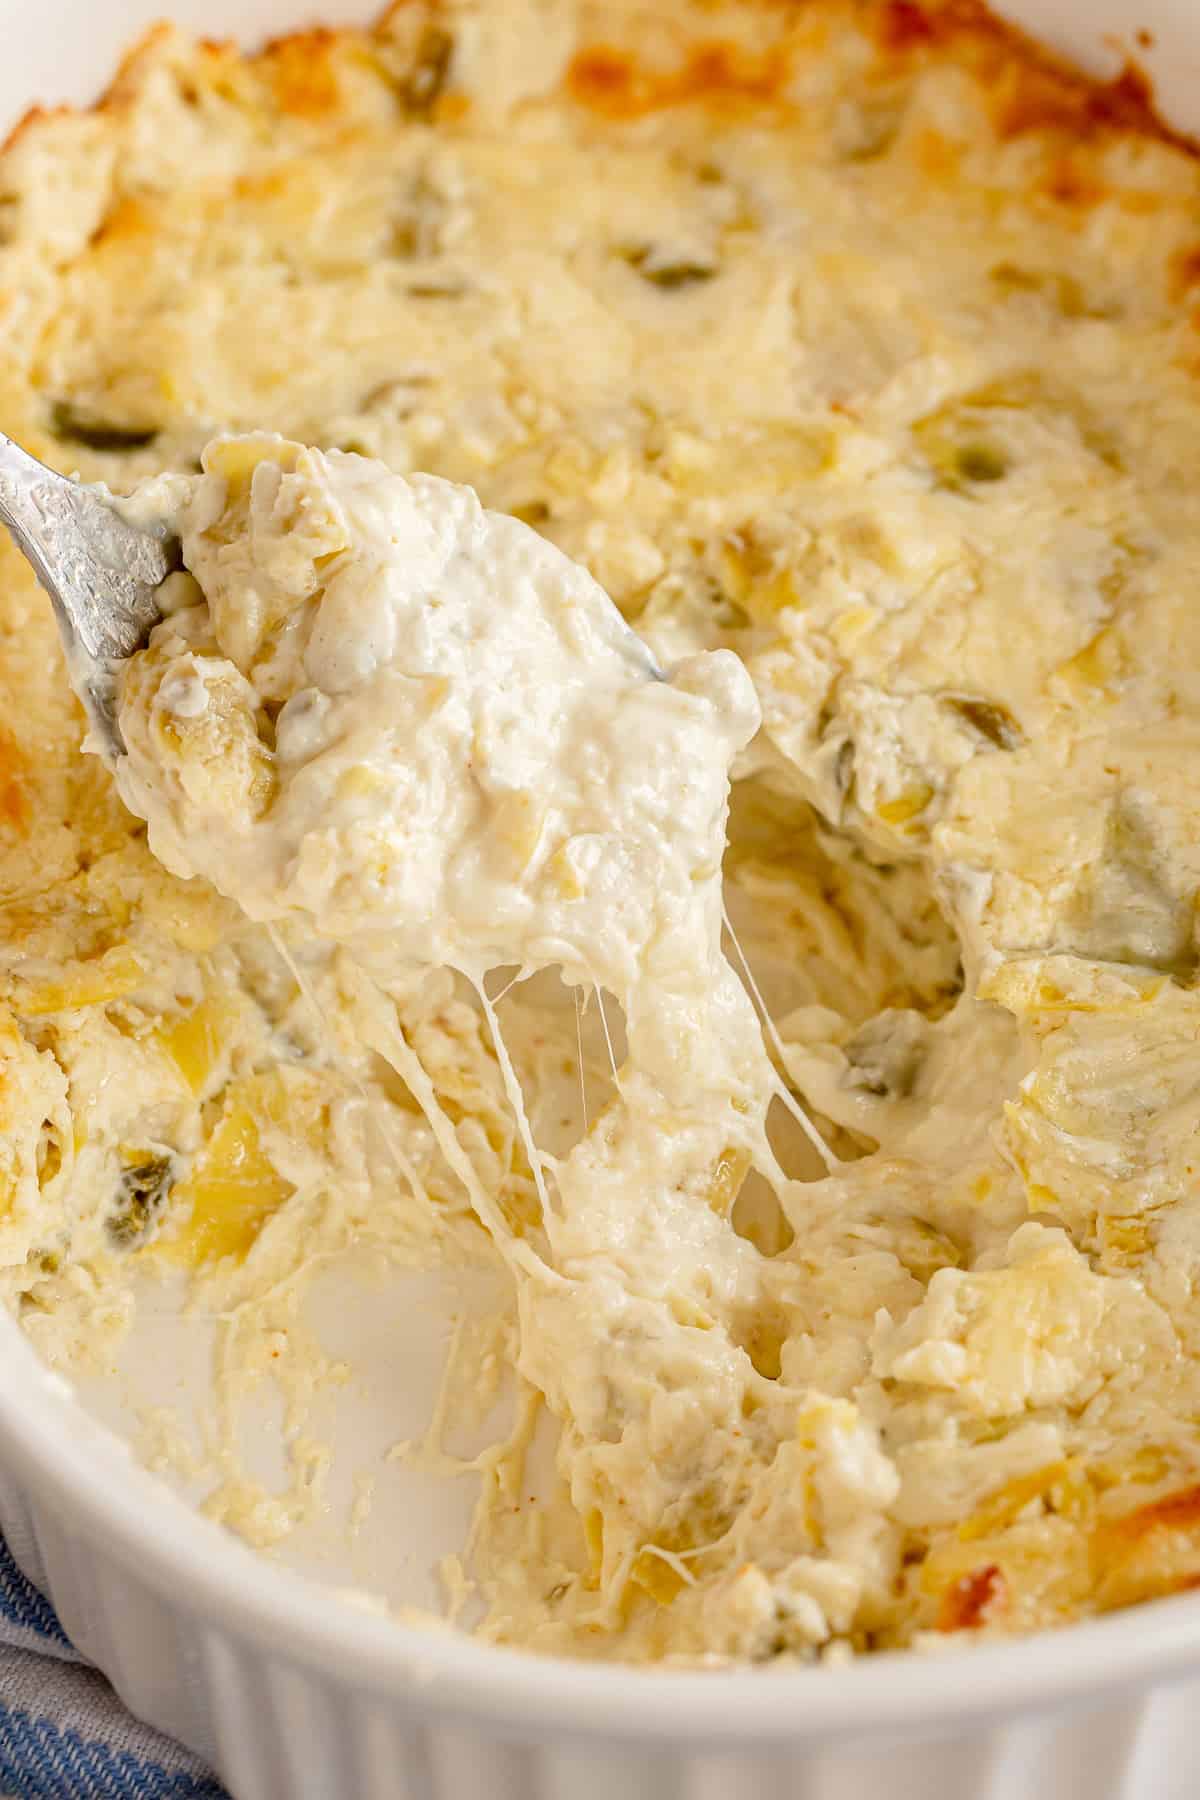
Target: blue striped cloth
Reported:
[(64, 1735)]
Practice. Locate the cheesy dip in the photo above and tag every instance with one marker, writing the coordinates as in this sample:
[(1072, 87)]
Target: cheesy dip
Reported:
[(835, 1156)]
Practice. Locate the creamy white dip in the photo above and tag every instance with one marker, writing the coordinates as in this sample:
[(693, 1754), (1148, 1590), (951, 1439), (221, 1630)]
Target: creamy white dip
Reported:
[(473, 759)]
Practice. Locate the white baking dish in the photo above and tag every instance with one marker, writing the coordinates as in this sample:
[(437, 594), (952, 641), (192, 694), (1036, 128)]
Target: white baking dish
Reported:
[(294, 1695)]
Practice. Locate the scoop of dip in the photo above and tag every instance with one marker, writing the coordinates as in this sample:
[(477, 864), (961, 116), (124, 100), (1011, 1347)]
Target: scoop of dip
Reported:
[(420, 725)]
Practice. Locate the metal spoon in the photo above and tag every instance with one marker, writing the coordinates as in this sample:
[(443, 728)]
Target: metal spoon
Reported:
[(101, 573)]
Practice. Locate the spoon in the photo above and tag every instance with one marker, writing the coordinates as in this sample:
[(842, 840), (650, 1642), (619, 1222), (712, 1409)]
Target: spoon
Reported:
[(101, 573)]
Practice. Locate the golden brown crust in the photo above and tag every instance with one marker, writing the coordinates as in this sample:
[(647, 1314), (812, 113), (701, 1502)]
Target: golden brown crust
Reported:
[(14, 798), (1034, 89), (1174, 1512), (301, 72), (973, 1600), (1185, 273), (31, 117), (611, 82), (125, 81)]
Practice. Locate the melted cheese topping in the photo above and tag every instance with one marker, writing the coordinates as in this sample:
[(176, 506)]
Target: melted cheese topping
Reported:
[(856, 340)]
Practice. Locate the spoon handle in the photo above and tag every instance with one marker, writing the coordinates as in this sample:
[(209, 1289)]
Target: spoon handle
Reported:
[(99, 571)]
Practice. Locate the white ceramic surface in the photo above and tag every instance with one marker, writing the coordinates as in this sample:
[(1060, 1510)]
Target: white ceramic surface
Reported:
[(295, 1695)]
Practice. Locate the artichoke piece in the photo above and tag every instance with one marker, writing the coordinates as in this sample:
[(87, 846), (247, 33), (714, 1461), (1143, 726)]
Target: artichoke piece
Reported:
[(960, 440), (867, 128), (76, 426), (884, 1056), (669, 273), (1062, 292), (1129, 907), (981, 462), (906, 807), (427, 77), (657, 1574), (987, 717), (923, 1249), (450, 289), (960, 456), (141, 1194)]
